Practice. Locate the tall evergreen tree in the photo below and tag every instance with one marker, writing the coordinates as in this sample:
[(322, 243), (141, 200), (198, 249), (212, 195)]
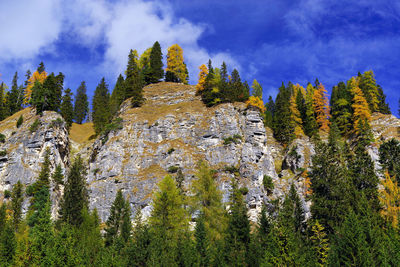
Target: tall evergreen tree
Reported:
[(75, 198), (282, 125), (3, 109), (370, 90), (310, 124), (81, 107), (156, 65), (341, 108), (133, 81), (269, 112), (14, 99), (101, 107), (389, 158), (17, 199), (66, 109), (383, 105), (118, 95), (47, 96)]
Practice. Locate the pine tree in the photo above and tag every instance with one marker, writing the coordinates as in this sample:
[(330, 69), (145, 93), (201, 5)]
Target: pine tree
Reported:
[(81, 107), (370, 90), (58, 177), (295, 114), (39, 76), (138, 249), (202, 78), (47, 96), (66, 109), (15, 97), (7, 243), (156, 65), (101, 107), (168, 223), (115, 221), (269, 112), (237, 91), (118, 95), (211, 95), (202, 244), (17, 198), (238, 231), (75, 197), (176, 66), (133, 82), (383, 105), (362, 112), (341, 100), (144, 67), (3, 110), (389, 158), (310, 124), (257, 89), (282, 126), (321, 108)]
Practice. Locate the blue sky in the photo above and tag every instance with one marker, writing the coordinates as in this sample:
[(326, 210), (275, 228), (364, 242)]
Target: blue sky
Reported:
[(268, 40)]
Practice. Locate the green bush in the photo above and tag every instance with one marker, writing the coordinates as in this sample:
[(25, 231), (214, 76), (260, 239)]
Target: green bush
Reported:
[(20, 121), (244, 190), (57, 123), (34, 126), (7, 194), (232, 139), (231, 169), (30, 190), (173, 169), (3, 153), (171, 150), (268, 184), (2, 138)]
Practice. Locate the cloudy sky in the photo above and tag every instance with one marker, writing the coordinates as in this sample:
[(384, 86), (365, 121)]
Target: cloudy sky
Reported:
[(268, 40)]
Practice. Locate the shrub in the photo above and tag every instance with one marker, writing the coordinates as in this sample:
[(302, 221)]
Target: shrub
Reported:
[(171, 150), (20, 121), (232, 139), (268, 184), (3, 153), (7, 194), (34, 126), (231, 169), (30, 190), (57, 123), (173, 169), (2, 138), (244, 190)]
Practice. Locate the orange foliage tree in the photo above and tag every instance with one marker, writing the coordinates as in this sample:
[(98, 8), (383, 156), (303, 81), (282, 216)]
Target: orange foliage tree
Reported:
[(36, 77), (362, 112), (257, 102), (390, 200), (321, 108), (202, 78)]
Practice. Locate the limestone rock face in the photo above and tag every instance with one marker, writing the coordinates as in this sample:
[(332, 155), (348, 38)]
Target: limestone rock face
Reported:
[(173, 129), (25, 149)]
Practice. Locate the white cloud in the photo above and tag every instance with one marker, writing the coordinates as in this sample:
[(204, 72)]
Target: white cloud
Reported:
[(28, 28)]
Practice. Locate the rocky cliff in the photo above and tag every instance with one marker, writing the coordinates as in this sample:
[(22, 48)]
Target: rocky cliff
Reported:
[(173, 130)]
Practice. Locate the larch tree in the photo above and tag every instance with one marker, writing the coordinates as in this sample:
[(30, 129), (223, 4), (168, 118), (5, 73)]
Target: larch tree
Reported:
[(389, 197), (202, 78), (134, 82), (255, 101), (361, 111), (310, 124), (370, 90), (101, 107), (67, 110), (176, 67), (321, 108), (3, 110), (156, 64), (295, 114), (40, 76), (81, 107), (257, 89)]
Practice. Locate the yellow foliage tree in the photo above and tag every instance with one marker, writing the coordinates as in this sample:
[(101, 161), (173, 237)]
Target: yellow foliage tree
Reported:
[(362, 112), (295, 113), (321, 108), (297, 87), (257, 102), (175, 63), (202, 78), (144, 59), (36, 77), (390, 200)]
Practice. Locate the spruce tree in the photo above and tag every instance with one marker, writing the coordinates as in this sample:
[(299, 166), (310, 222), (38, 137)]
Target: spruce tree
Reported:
[(389, 157), (8, 244), (81, 107), (17, 198), (156, 65), (15, 97), (138, 250), (58, 177), (269, 112), (47, 96), (370, 90), (101, 107), (3, 109), (118, 95), (133, 81), (281, 123), (75, 197), (202, 244), (383, 105), (310, 123), (66, 109)]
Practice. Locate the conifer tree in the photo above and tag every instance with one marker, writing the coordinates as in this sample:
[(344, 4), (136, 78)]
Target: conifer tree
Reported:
[(66, 109), (75, 197), (362, 112), (133, 82), (310, 124), (101, 107), (39, 76), (118, 95), (238, 231), (81, 106), (269, 112), (138, 249), (58, 177), (341, 100), (3, 110), (156, 65), (168, 223), (389, 197), (370, 90), (237, 91), (383, 105), (211, 95), (17, 198), (7, 242), (47, 96), (295, 114), (282, 126), (389, 158), (321, 108), (176, 67), (320, 244), (202, 78), (144, 67), (257, 89), (14, 99)]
